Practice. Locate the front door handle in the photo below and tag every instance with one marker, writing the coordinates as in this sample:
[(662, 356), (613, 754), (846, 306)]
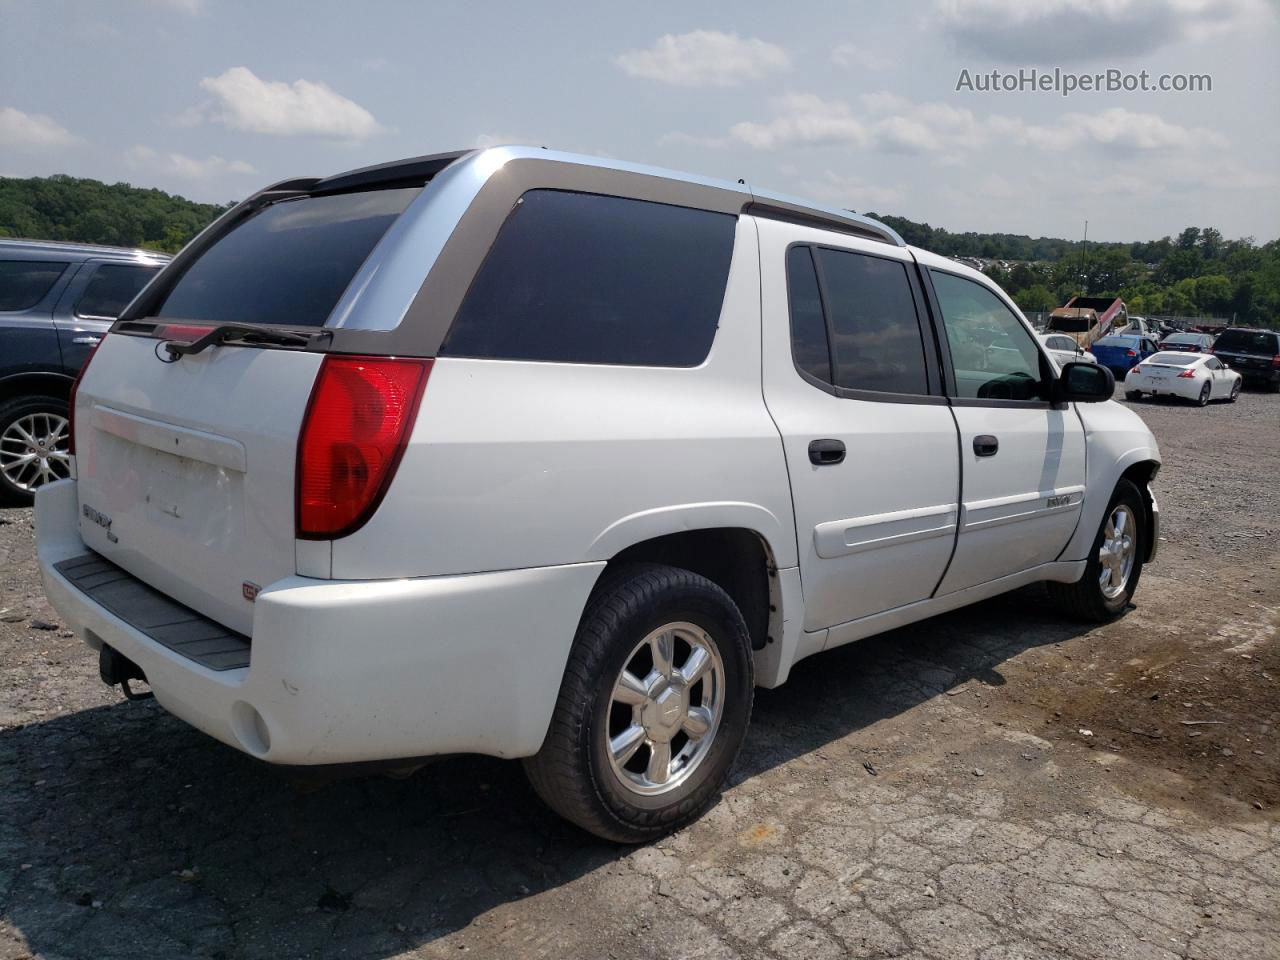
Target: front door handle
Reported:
[(87, 341), (985, 445), (825, 453)]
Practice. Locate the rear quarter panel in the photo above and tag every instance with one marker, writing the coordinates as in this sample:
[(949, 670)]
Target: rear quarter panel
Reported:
[(521, 464)]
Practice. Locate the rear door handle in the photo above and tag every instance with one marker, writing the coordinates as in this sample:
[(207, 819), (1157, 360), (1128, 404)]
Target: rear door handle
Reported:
[(87, 341), (826, 453), (985, 445)]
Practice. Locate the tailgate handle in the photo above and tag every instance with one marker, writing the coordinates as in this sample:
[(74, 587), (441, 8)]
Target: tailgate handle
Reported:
[(825, 453), (985, 445)]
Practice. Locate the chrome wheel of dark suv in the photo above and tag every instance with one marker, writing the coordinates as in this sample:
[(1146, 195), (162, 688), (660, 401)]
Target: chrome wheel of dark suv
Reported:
[(33, 445)]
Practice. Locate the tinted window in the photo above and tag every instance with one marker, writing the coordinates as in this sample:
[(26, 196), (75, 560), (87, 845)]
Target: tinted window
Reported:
[(1124, 343), (875, 335), (1213, 364), (1248, 341), (582, 278), (23, 283), (808, 326), (112, 287), (1175, 359), (993, 355), (289, 263)]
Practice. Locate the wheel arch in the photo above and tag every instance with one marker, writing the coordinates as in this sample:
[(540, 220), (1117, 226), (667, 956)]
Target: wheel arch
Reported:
[(739, 560), (1140, 474), (35, 384)]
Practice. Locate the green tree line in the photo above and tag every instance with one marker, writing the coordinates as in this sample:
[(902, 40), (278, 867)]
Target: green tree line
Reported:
[(1197, 273), (89, 211)]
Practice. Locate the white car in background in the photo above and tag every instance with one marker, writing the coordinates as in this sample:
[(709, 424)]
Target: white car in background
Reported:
[(1065, 350), (1191, 376)]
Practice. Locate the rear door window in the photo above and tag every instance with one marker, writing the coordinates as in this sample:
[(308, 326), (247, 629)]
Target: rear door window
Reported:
[(809, 346), (112, 287), (875, 331), (585, 278), (992, 354), (24, 283), (288, 264)]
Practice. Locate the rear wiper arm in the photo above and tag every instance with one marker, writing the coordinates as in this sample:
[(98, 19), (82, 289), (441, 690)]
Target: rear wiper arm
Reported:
[(229, 332)]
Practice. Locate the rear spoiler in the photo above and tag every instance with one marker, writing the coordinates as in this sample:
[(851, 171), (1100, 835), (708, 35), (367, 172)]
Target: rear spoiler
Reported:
[(415, 171)]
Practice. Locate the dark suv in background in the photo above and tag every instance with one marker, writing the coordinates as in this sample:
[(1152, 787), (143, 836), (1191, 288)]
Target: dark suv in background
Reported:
[(1254, 354), (56, 302)]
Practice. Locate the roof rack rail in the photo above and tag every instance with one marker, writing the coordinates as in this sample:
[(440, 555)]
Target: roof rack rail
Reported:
[(415, 170)]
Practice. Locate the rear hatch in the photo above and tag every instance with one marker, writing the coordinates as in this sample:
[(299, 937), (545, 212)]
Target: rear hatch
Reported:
[(186, 464)]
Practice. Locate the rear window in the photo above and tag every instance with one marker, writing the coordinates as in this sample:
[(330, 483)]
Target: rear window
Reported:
[(1248, 341), (23, 283), (1127, 342), (583, 278), (112, 287), (1080, 324), (288, 264), (1175, 359)]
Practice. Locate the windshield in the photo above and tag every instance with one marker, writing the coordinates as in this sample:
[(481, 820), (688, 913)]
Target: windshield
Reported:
[(1249, 341), (1175, 359), (288, 264)]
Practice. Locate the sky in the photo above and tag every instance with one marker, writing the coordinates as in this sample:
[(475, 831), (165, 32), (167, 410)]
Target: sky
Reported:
[(850, 103)]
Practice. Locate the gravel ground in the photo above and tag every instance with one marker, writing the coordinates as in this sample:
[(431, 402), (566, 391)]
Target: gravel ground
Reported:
[(993, 784)]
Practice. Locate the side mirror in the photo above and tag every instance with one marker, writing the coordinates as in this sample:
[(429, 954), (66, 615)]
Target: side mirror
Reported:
[(1084, 383)]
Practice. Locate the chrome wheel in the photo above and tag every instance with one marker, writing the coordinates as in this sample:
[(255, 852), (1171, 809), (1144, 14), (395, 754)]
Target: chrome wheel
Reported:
[(665, 709), (33, 451), (1118, 550)]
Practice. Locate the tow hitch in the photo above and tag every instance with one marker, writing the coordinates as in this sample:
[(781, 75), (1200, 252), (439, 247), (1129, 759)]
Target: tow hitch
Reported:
[(115, 668)]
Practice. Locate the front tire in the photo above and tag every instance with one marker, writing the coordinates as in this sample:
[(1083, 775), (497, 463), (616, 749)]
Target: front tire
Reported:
[(1115, 562), (1235, 392), (1133, 396), (653, 707)]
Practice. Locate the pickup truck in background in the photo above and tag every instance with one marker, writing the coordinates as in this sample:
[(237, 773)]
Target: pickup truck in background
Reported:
[(1087, 319)]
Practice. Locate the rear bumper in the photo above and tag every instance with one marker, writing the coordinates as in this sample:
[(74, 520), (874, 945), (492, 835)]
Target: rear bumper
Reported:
[(351, 671), (1165, 387)]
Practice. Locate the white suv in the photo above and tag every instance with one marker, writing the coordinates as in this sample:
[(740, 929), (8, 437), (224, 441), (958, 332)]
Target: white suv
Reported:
[(536, 455)]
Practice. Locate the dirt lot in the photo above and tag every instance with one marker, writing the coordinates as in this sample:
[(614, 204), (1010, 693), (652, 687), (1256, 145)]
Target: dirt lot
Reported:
[(993, 784)]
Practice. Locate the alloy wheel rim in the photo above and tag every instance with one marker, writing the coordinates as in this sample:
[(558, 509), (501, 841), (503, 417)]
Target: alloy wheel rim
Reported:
[(1204, 394), (33, 451), (665, 708), (1118, 551)]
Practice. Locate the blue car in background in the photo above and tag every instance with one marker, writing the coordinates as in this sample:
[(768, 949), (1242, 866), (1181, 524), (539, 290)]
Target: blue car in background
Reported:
[(1122, 351)]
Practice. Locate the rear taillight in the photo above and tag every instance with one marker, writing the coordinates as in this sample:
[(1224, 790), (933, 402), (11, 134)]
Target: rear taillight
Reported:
[(353, 435), (71, 400), (1130, 353), (1275, 361), (1187, 375)]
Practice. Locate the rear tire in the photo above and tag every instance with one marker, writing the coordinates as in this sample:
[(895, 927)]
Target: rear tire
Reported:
[(1091, 598), (624, 758), (44, 420), (1133, 396), (1205, 393)]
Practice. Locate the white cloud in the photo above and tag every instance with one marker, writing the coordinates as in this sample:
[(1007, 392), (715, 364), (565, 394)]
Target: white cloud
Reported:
[(859, 55), (1116, 128), (851, 193), (704, 58), (183, 166), (894, 124), (1065, 31), (32, 131), (302, 108), (803, 119), (192, 7), (890, 123)]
